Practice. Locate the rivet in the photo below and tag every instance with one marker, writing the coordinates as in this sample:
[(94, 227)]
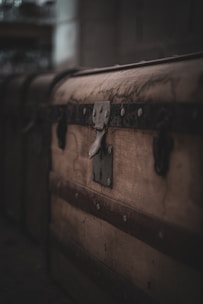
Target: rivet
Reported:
[(109, 150), (122, 112), (76, 195), (125, 218), (139, 112), (97, 206), (108, 181), (84, 111), (106, 114)]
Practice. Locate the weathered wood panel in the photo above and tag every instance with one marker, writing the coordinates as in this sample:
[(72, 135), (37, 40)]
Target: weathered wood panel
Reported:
[(170, 82), (161, 277), (79, 286), (168, 238), (90, 274), (177, 198)]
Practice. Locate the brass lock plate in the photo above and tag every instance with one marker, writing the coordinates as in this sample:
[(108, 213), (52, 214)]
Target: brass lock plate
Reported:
[(103, 166)]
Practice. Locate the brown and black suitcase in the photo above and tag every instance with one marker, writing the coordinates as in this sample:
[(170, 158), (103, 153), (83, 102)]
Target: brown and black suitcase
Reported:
[(1, 138), (126, 183), (14, 147), (37, 158), (37, 155), (4, 82)]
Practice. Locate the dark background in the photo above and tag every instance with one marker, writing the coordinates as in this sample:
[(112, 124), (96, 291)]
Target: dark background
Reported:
[(40, 35)]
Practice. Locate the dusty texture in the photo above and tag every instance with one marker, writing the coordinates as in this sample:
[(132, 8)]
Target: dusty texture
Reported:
[(161, 277), (169, 82), (177, 198)]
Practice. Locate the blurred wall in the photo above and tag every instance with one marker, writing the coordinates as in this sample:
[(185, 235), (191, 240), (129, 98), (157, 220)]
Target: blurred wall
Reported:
[(41, 34), (126, 31), (38, 35), (66, 34)]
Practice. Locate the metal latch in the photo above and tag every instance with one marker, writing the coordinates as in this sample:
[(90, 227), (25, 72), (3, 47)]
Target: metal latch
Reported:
[(100, 118), (101, 153)]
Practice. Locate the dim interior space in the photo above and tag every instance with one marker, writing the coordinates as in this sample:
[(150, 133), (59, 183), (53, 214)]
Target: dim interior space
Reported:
[(101, 151)]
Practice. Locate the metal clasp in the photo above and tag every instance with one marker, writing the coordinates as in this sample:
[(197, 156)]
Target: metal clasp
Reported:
[(102, 153), (100, 116)]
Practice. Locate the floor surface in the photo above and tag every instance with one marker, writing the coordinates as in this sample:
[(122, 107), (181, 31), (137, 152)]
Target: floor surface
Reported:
[(23, 271)]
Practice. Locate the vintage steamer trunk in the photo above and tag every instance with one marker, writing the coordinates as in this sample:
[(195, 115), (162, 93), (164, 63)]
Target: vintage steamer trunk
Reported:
[(37, 156), (126, 226), (4, 81), (14, 147), (37, 159)]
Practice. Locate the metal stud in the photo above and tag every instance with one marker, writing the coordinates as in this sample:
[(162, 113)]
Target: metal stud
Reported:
[(139, 112), (109, 150), (84, 111), (97, 206), (125, 218), (161, 235), (108, 181), (122, 112)]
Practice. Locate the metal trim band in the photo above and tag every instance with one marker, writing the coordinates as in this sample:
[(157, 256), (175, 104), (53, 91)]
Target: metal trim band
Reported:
[(173, 117)]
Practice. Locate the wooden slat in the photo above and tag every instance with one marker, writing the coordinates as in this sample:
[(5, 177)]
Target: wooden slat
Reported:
[(167, 238), (177, 198), (89, 267), (161, 277), (164, 82)]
